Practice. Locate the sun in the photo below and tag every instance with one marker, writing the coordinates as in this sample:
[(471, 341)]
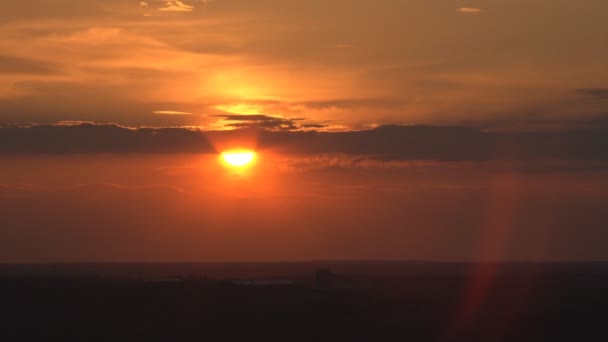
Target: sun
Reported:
[(238, 158)]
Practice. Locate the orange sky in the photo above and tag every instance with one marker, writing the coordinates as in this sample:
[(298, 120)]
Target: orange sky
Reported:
[(342, 64), (190, 208), (388, 129)]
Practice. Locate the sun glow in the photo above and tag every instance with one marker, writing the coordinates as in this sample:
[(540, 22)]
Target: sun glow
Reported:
[(240, 158)]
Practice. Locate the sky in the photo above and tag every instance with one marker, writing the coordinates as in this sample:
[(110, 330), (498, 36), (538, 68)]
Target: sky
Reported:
[(413, 130), (342, 64)]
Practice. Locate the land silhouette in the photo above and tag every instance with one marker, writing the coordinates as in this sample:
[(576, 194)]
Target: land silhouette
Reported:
[(312, 301)]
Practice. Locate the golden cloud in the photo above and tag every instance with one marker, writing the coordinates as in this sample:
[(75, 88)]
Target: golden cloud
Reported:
[(176, 6), (470, 10)]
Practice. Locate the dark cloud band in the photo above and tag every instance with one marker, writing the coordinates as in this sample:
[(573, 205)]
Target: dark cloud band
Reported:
[(447, 143)]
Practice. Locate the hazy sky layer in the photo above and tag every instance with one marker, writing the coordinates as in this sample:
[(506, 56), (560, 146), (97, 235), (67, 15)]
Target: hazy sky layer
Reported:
[(343, 64), (189, 208)]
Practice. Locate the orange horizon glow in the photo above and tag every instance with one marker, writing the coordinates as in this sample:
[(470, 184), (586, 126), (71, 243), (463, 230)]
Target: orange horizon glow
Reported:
[(238, 158)]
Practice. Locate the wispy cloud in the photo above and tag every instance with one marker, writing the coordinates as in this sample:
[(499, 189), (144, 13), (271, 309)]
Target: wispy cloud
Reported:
[(470, 10), (236, 121), (171, 112), (136, 188), (596, 93), (176, 6), (19, 65)]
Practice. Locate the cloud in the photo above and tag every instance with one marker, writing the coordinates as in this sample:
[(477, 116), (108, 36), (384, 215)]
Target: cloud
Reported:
[(596, 93), (597, 122), (265, 122), (346, 103), (114, 65), (445, 143), (100, 138), (176, 6), (392, 142), (322, 110), (170, 112), (19, 65), (134, 188), (470, 10), (16, 189)]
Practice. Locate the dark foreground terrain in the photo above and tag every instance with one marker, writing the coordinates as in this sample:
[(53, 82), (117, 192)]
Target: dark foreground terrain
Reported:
[(362, 301)]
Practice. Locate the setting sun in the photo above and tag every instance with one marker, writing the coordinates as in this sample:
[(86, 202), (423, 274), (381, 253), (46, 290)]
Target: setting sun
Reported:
[(239, 158)]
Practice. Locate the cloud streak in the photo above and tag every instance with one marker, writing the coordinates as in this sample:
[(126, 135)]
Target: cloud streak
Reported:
[(267, 122), (596, 93), (176, 6), (171, 112), (470, 10), (18, 65)]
